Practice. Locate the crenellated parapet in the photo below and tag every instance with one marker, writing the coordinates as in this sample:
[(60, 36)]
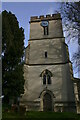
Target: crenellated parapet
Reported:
[(47, 17)]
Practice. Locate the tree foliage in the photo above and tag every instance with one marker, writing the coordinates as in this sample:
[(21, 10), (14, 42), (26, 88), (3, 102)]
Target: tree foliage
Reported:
[(12, 55), (71, 20)]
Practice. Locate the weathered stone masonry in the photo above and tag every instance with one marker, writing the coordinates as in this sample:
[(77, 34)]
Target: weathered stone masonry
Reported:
[(47, 72)]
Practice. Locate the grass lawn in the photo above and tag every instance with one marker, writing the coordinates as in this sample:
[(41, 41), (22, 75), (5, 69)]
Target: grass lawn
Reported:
[(40, 115)]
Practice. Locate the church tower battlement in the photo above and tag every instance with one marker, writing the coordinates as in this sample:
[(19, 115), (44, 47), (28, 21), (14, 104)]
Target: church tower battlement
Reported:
[(47, 17)]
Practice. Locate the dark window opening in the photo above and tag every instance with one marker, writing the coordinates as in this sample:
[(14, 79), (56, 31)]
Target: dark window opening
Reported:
[(44, 79), (46, 30), (45, 54), (49, 79)]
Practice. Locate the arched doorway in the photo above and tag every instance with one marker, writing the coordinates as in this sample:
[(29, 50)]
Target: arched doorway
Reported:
[(47, 102)]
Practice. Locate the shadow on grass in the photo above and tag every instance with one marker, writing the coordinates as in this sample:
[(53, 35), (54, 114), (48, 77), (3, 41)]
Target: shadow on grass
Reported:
[(40, 116)]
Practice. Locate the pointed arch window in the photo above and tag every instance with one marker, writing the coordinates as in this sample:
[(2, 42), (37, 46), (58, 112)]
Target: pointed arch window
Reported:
[(46, 76)]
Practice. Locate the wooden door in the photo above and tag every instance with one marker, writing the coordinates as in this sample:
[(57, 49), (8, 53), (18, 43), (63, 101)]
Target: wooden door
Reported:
[(47, 102)]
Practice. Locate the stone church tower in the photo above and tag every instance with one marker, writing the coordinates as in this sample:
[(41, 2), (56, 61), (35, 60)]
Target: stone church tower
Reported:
[(48, 80)]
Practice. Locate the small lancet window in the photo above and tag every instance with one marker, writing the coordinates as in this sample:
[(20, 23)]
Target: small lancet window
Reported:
[(48, 79), (44, 79), (46, 30), (45, 54)]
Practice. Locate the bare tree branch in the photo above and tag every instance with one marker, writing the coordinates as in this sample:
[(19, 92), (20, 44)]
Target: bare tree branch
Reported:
[(70, 12)]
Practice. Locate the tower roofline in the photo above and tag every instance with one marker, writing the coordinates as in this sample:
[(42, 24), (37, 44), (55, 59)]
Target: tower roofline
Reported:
[(47, 17)]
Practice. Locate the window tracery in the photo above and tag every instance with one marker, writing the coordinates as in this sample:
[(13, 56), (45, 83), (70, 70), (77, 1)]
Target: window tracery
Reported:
[(46, 76)]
